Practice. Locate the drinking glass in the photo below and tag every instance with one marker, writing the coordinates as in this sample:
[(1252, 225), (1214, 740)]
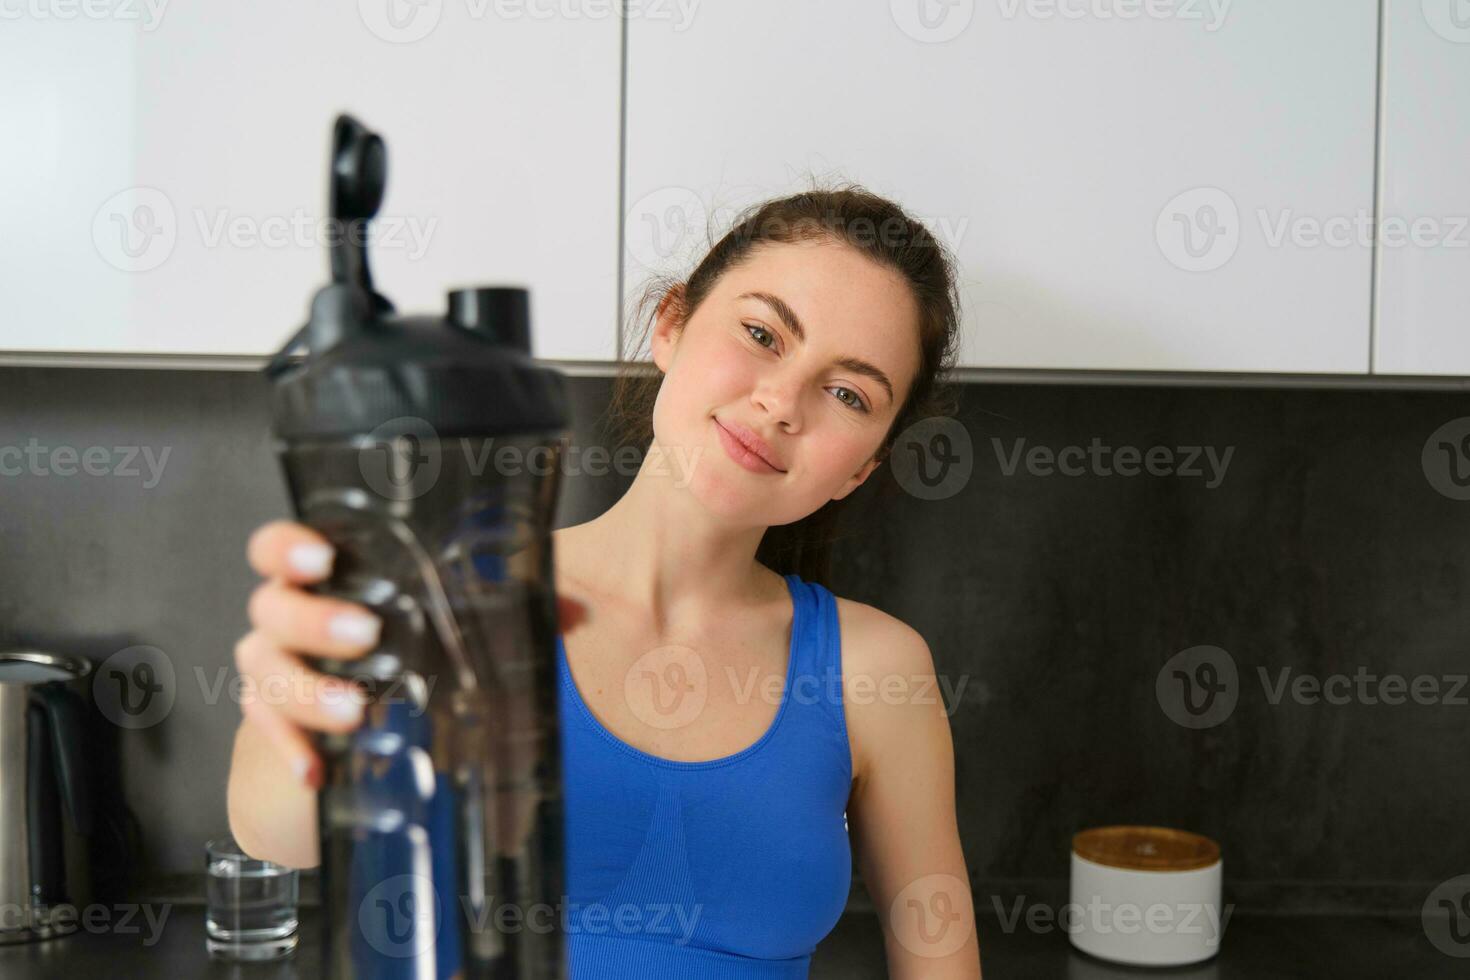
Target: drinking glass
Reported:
[(251, 904)]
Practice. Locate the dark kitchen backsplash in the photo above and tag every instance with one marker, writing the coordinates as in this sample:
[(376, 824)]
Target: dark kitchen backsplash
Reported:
[(1184, 606)]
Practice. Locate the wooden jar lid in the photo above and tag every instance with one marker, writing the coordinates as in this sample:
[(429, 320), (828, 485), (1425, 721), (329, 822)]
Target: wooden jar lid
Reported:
[(1146, 848)]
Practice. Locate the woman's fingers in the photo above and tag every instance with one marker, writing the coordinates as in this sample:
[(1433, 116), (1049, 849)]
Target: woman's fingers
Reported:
[(317, 625), (289, 741), (305, 698), (291, 551)]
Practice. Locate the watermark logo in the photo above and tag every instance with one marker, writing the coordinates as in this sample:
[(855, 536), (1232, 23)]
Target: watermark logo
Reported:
[(1199, 230), (932, 21), (1446, 459), (135, 687), (667, 687), (933, 458), (1446, 917), (1198, 687), (663, 226), (401, 460), (135, 230), (400, 916), (931, 916), (400, 21), (1450, 19)]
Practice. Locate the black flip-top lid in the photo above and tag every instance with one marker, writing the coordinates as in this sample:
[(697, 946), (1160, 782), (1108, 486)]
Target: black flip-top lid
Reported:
[(467, 372)]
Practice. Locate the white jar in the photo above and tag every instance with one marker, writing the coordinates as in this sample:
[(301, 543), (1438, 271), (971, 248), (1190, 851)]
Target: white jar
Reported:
[(1146, 896)]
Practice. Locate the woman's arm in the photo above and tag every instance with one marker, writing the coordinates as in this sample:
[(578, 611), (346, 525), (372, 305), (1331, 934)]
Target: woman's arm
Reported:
[(901, 816)]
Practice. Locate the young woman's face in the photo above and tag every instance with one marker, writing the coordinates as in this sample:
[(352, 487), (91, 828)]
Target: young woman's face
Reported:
[(794, 345)]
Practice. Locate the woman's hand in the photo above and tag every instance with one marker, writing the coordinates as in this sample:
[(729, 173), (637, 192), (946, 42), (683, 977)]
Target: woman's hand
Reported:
[(286, 698)]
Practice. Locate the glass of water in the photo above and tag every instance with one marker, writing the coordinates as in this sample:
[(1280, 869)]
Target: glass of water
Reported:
[(250, 909)]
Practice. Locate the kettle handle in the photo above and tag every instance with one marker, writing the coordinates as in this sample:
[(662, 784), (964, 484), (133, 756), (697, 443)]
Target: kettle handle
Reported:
[(64, 721)]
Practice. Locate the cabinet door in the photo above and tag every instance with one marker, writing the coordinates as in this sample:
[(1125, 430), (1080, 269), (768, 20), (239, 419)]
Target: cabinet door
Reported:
[(1149, 190), (176, 186), (1423, 322)]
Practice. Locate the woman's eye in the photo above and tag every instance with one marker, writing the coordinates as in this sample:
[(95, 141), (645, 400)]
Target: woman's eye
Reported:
[(857, 401), (750, 328), (755, 331)]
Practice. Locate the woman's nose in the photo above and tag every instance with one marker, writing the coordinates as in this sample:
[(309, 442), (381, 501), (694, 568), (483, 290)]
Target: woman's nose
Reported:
[(781, 401)]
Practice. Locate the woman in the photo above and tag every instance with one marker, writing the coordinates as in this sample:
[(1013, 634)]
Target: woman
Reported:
[(734, 736)]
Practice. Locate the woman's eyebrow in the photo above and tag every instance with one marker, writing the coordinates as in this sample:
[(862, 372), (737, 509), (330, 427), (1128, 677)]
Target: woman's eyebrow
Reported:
[(788, 316)]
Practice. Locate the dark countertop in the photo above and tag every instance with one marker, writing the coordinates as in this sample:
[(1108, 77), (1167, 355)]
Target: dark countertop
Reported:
[(1256, 947)]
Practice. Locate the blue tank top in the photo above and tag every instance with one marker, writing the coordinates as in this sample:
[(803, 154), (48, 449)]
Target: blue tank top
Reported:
[(727, 869)]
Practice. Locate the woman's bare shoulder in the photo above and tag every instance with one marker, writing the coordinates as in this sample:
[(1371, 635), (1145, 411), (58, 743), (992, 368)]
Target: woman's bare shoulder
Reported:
[(887, 672), (874, 641)]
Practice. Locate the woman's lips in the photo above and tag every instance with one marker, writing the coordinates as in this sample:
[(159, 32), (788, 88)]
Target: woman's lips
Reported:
[(736, 450)]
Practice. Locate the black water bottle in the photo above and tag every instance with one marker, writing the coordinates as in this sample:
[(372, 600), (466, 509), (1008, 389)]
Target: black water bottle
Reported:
[(428, 450)]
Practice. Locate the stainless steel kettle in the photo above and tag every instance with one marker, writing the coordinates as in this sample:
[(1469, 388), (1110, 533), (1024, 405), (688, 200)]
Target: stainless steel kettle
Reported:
[(42, 773)]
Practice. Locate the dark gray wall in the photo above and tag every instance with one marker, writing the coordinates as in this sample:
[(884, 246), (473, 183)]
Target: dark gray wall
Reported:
[(1052, 603)]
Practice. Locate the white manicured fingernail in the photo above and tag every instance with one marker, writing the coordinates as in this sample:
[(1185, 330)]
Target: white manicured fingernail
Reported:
[(299, 766), (341, 701), (354, 628), (310, 559)]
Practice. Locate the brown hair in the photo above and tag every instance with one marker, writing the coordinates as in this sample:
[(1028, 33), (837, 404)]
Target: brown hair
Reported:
[(879, 229)]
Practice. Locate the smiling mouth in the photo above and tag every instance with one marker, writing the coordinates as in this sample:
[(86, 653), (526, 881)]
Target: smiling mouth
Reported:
[(744, 453)]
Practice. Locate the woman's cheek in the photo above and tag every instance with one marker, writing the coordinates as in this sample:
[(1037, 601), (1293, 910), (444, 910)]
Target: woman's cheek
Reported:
[(727, 367)]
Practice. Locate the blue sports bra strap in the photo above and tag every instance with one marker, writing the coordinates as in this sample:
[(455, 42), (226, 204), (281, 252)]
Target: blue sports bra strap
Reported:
[(818, 677), (830, 652)]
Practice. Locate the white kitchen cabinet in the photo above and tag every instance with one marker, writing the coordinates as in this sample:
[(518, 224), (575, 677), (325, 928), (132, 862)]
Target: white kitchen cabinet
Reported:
[(166, 189), (1423, 295), (1131, 191)]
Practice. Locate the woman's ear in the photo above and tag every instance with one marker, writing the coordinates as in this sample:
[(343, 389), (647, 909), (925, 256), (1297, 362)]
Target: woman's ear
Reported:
[(668, 324)]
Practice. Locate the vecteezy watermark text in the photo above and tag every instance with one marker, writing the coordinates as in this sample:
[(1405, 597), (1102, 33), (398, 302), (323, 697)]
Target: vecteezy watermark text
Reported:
[(407, 21), (1201, 229), (403, 458), (121, 919), (305, 230), (1101, 918), (1097, 459), (35, 459), (1199, 687), (402, 917), (1211, 12), (137, 229), (149, 12)]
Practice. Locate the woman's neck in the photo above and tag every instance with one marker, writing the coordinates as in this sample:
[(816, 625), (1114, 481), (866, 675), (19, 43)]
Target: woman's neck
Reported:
[(658, 550)]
